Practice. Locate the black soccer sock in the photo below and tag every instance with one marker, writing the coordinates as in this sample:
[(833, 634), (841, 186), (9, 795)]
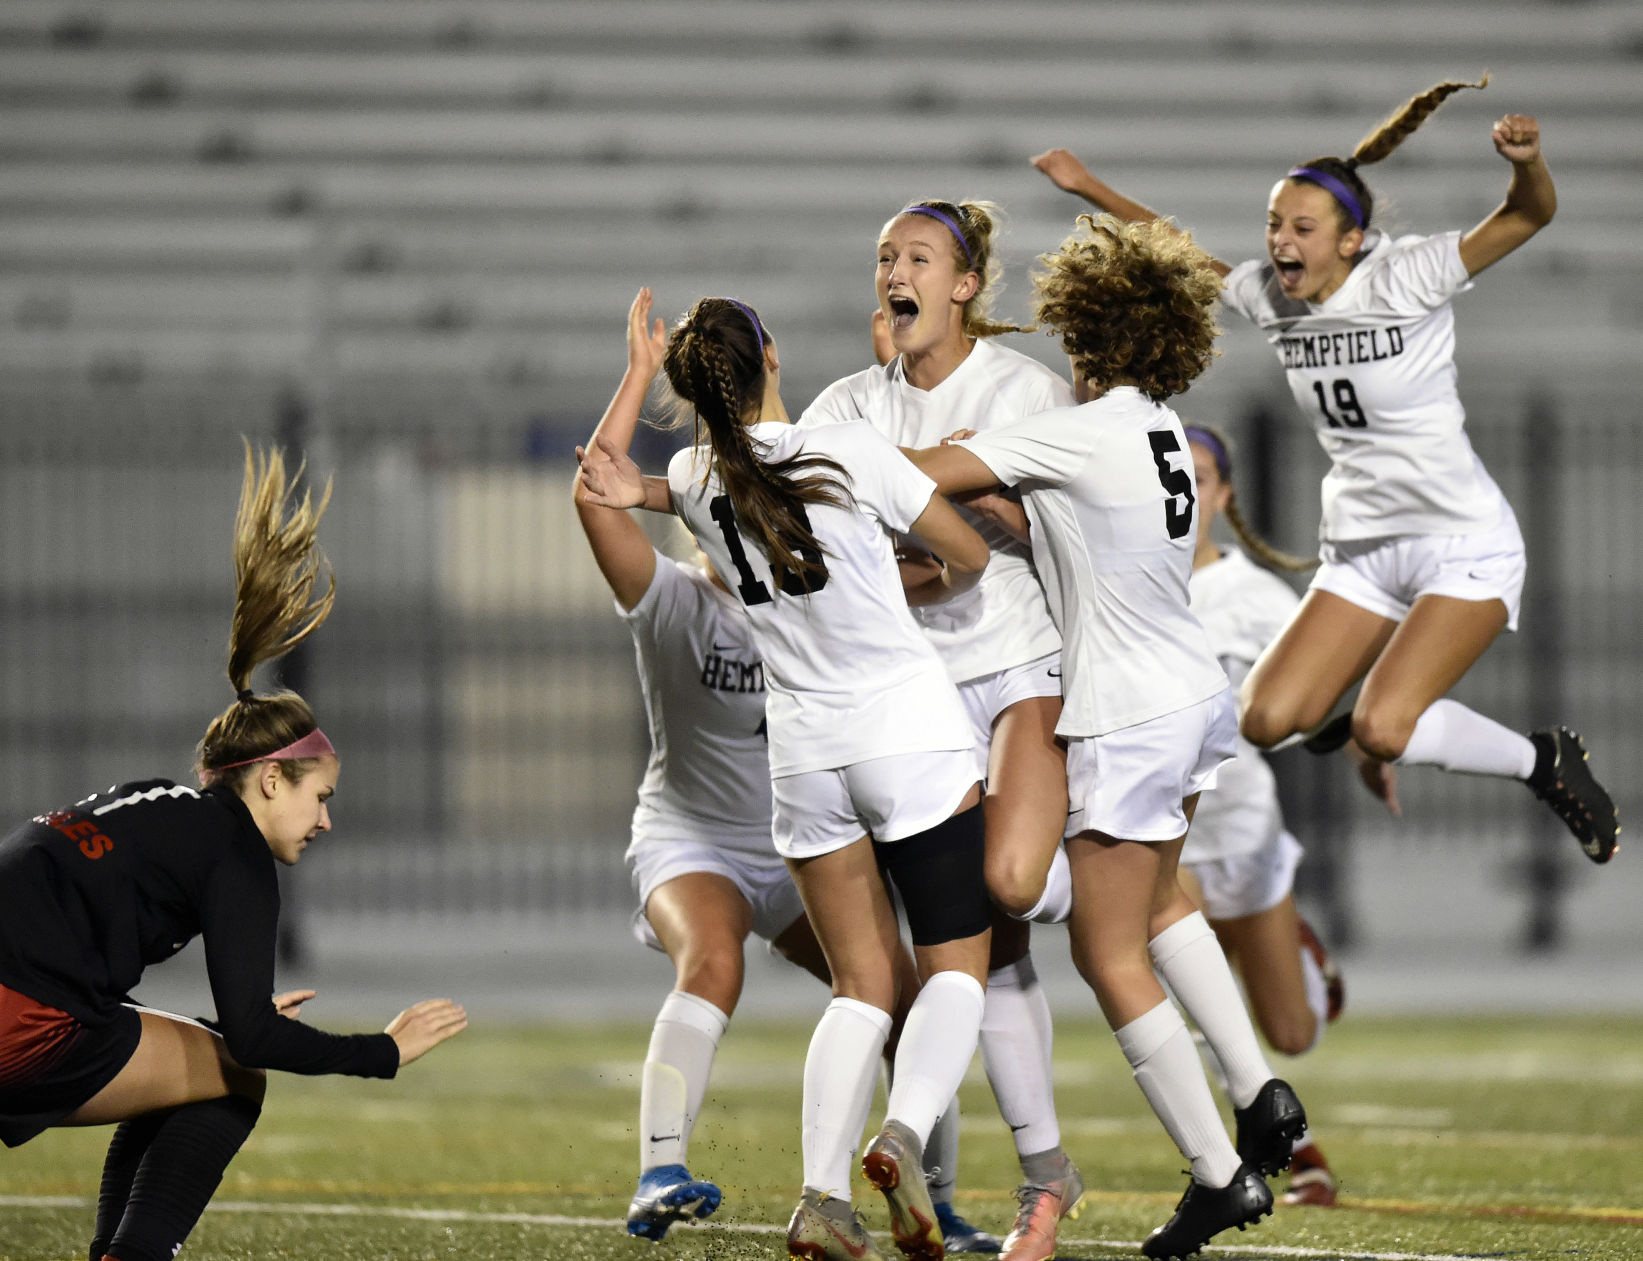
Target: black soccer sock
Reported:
[(125, 1152), (178, 1174)]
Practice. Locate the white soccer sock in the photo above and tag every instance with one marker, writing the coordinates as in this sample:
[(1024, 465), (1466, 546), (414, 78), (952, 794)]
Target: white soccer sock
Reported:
[(1016, 1045), (936, 1047), (1191, 961), (1454, 738), (1317, 993), (840, 1070), (1160, 1053), (1055, 904), (683, 1042)]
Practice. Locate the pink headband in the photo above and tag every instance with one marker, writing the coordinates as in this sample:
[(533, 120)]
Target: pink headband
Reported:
[(314, 744)]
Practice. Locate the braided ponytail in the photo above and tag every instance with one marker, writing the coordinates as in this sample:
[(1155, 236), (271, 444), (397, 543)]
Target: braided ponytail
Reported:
[(715, 364), (1377, 145)]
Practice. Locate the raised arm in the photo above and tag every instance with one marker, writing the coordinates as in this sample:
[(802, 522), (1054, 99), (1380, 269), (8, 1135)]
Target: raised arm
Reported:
[(621, 549), (1066, 172), (1531, 198)]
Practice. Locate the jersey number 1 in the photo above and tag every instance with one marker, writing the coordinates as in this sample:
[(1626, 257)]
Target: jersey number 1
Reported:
[(748, 585), (1176, 482)]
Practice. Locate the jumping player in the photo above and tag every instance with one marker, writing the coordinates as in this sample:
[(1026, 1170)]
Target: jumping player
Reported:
[(702, 861), (1148, 715), (126, 877), (942, 368), (1239, 860), (1423, 562), (868, 758)]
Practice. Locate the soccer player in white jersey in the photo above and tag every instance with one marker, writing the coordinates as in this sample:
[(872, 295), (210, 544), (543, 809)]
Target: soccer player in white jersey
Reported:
[(1148, 715), (1423, 562), (703, 865), (870, 756), (941, 369), (1239, 860)]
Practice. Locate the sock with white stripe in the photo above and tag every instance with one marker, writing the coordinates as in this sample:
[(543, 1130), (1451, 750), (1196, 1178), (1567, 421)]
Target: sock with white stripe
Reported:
[(683, 1042)]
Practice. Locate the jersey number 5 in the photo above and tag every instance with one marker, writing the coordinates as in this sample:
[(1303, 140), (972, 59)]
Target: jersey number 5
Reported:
[(748, 586), (1175, 481)]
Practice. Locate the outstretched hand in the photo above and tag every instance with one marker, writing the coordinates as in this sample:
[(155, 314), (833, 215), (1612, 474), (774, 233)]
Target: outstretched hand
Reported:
[(421, 1027), (1063, 168), (609, 477), (1517, 138), (647, 342), (290, 1003)]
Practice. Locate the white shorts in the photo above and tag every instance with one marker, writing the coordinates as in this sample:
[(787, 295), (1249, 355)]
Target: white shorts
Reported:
[(1130, 783), (763, 879), (888, 798), (1386, 576), (1247, 884), (989, 696)]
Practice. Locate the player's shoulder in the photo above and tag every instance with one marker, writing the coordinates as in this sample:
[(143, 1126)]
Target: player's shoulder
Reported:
[(850, 397), (1013, 371)]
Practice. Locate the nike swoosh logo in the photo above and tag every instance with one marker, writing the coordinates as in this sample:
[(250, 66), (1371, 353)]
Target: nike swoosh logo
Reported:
[(1055, 674), (724, 647), (662, 1138), (1022, 1126)]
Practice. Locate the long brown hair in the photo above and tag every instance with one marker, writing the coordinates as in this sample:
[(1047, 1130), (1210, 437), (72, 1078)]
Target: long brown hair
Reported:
[(278, 602), (715, 364), (1221, 450), (981, 223), (1399, 125)]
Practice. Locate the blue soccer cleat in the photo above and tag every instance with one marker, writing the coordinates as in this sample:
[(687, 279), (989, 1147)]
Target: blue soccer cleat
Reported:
[(668, 1194), (959, 1235)]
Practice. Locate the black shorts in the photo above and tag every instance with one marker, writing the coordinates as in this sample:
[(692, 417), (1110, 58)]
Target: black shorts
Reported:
[(51, 1063)]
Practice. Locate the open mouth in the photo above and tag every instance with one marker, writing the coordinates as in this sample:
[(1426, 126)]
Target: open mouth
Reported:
[(1289, 271), (903, 311)]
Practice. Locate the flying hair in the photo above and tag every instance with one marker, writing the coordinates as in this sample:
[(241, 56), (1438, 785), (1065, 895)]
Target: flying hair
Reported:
[(1380, 143), (284, 592), (715, 364)]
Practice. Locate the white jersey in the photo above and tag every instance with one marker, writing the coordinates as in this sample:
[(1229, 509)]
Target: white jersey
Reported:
[(1242, 608), (1003, 621), (1374, 367), (709, 770), (1110, 496), (850, 675)]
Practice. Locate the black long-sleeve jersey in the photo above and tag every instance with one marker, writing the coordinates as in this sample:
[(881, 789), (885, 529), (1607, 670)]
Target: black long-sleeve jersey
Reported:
[(92, 894)]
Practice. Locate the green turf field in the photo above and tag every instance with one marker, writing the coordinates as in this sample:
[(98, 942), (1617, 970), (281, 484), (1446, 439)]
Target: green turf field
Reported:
[(1501, 1137)]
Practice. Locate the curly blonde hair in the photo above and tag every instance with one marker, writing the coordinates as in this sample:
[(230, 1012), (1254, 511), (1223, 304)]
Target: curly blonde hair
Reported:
[(1133, 303)]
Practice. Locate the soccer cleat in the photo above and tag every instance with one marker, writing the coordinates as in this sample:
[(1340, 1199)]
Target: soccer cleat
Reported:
[(1205, 1212), (1310, 1181), (1563, 779), (959, 1235), (668, 1194), (894, 1163), (1269, 1126), (1331, 736), (1334, 985), (826, 1228), (1040, 1208)]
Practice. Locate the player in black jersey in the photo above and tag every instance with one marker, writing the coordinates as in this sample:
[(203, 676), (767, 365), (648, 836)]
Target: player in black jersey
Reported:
[(92, 894)]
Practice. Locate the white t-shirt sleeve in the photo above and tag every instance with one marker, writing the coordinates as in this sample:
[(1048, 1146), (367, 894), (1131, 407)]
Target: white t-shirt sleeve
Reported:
[(838, 404), (1052, 448), (669, 593), (1242, 288), (1421, 273), (882, 479)]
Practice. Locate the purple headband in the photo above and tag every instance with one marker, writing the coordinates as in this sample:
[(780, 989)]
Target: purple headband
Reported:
[(758, 330), (951, 227), (1335, 187), (1212, 444)]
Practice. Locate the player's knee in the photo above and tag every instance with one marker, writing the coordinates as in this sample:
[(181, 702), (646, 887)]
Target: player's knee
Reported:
[(715, 975), (1381, 733), (1291, 1034), (1015, 882)]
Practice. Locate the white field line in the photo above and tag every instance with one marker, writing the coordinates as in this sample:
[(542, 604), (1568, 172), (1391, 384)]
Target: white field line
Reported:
[(614, 1223)]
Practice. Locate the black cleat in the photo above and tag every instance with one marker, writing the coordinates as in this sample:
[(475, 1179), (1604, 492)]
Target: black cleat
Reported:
[(1563, 779), (1331, 736), (1268, 1128), (1205, 1212)]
